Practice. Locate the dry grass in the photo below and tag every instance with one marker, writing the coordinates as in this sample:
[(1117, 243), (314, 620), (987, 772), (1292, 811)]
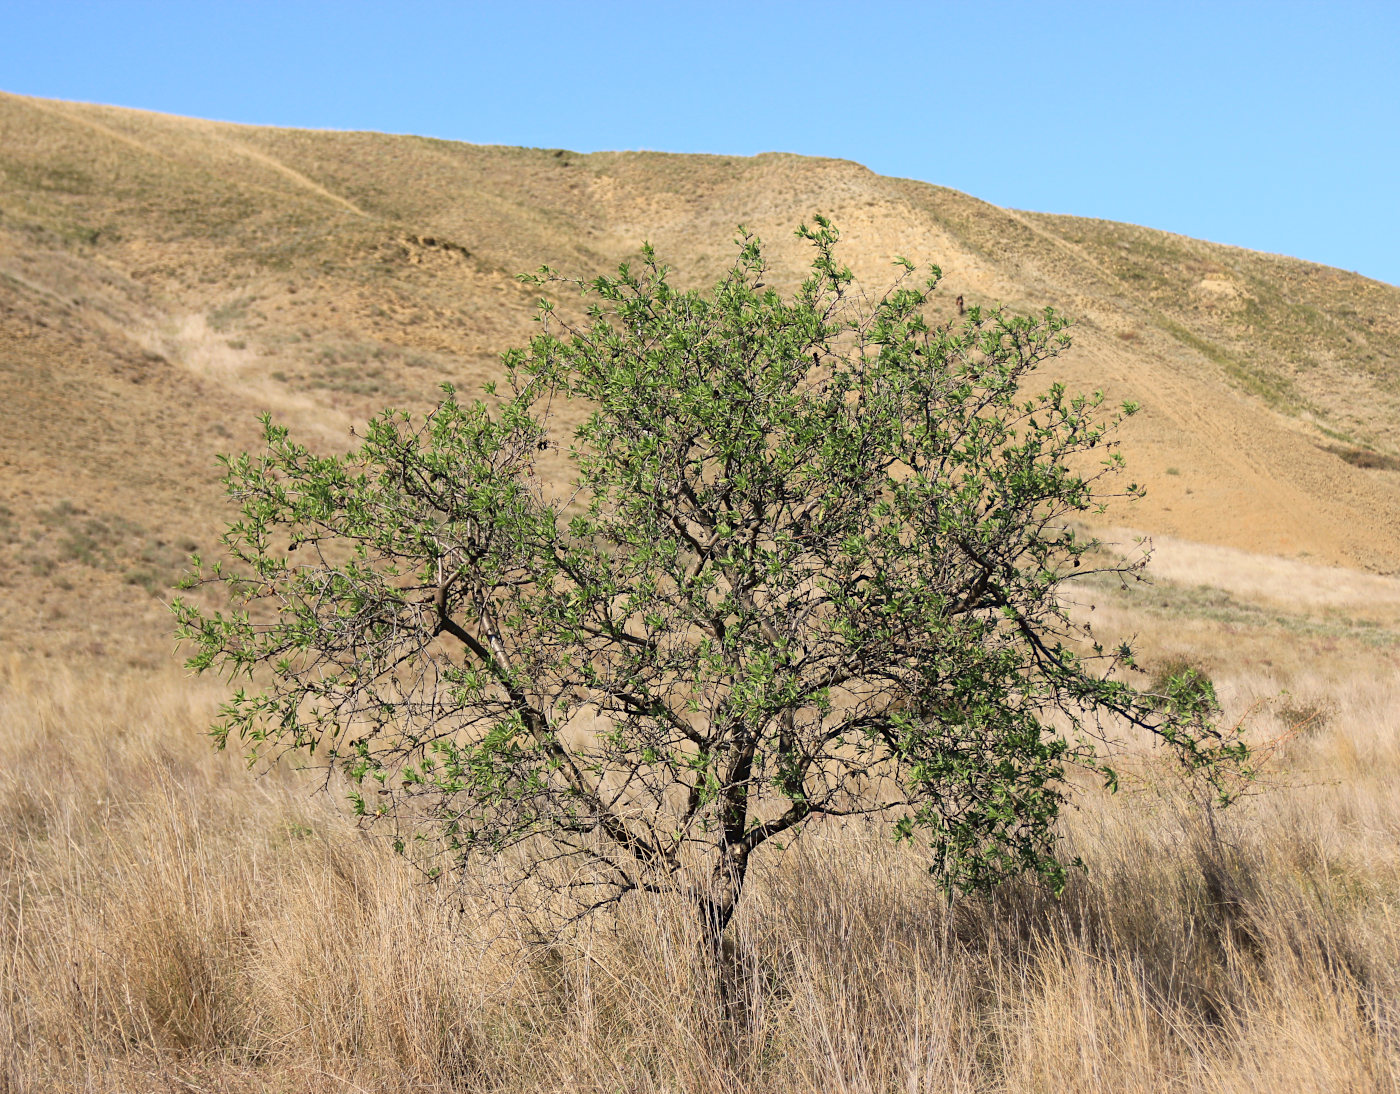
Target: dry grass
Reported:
[(169, 923), (1288, 584)]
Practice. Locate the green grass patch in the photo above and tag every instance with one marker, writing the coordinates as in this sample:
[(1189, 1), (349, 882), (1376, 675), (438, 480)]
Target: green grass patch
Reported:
[(226, 316), (1276, 390), (69, 535)]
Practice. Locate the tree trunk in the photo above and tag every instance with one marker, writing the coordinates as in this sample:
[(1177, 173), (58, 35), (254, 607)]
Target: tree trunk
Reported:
[(716, 907)]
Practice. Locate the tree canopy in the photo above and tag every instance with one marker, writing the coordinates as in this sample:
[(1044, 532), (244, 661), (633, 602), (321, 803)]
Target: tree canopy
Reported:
[(811, 564)]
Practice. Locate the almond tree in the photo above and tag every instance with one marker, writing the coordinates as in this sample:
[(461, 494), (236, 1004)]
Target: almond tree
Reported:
[(809, 566)]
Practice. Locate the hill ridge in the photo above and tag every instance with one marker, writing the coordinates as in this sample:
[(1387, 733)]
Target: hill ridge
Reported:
[(182, 275)]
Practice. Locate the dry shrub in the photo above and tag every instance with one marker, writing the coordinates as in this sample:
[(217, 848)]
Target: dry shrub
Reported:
[(1365, 458)]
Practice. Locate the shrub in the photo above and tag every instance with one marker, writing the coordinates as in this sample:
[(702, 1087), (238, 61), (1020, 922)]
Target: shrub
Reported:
[(1179, 682), (808, 568)]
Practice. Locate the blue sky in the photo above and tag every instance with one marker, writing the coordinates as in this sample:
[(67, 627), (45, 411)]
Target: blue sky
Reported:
[(1272, 126)]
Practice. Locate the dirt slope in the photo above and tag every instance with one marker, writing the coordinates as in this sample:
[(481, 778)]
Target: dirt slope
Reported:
[(164, 279)]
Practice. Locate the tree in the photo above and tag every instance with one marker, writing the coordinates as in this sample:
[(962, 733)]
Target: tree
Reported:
[(809, 567)]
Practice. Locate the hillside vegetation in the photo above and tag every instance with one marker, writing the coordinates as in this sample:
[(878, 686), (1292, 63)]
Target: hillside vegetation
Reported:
[(168, 922), (164, 279)]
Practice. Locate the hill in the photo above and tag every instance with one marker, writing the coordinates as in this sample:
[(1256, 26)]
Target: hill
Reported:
[(169, 923), (163, 280)]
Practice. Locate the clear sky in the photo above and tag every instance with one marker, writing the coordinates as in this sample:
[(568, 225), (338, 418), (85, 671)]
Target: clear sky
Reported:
[(1274, 126)]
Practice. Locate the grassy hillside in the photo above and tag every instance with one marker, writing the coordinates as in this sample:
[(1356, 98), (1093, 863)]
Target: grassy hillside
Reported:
[(164, 279), (169, 923)]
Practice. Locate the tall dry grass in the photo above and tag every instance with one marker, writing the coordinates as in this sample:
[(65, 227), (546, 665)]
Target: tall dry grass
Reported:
[(169, 922)]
